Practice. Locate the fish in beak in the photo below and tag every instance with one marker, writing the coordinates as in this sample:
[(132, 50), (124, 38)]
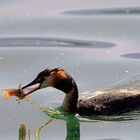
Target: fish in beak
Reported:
[(36, 86)]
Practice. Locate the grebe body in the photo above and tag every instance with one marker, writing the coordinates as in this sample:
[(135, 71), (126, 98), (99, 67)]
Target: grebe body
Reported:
[(111, 103)]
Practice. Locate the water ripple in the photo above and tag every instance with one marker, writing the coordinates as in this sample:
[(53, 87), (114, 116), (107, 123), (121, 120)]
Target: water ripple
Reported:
[(109, 11), (53, 42), (131, 55)]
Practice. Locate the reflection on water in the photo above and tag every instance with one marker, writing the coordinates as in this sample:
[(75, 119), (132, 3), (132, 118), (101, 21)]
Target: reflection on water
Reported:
[(72, 123), (72, 129), (38, 130), (134, 115), (114, 11), (22, 132)]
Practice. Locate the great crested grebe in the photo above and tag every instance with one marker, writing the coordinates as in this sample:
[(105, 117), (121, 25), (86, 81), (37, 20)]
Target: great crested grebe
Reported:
[(105, 104)]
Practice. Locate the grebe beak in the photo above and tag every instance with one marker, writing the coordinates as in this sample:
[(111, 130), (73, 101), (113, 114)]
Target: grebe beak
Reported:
[(37, 86)]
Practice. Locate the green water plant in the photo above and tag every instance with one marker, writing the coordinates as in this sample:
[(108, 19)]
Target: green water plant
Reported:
[(22, 132)]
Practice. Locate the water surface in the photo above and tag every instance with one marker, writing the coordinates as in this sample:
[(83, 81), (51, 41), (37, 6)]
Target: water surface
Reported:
[(98, 51)]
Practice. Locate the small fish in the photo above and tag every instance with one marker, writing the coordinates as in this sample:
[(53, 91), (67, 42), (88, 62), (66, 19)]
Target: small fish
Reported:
[(18, 93)]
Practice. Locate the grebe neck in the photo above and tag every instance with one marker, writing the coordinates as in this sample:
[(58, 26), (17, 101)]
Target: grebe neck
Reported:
[(70, 100)]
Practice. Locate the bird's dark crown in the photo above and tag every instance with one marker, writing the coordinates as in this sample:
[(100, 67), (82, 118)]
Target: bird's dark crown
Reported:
[(48, 72)]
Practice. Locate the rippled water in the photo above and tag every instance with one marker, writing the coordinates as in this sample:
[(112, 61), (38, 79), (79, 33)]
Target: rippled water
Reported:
[(100, 52)]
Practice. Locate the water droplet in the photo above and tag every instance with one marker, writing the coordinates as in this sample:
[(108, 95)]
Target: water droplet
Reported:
[(1, 57), (9, 119), (126, 71), (67, 56), (28, 15), (51, 90), (124, 37), (42, 61), (25, 71), (21, 75), (56, 58), (128, 124), (61, 53), (77, 65), (116, 75)]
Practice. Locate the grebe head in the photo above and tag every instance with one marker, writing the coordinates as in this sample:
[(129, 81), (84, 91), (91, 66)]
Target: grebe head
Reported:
[(56, 78)]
